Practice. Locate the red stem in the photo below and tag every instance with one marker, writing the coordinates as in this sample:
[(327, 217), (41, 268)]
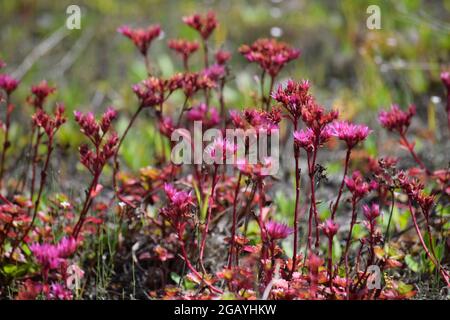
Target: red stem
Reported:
[(336, 204), (5, 140), (233, 227), (413, 153), (297, 199), (443, 273)]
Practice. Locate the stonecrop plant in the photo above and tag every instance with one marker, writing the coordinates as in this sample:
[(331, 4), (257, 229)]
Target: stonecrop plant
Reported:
[(214, 230)]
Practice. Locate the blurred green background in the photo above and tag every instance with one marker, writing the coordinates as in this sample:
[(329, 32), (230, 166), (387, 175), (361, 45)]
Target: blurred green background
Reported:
[(351, 67)]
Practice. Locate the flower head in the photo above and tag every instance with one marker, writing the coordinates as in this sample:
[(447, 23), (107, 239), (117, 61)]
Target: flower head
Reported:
[(306, 138), (445, 77), (222, 57), (142, 38), (8, 83), (183, 47), (190, 82), (179, 199), (396, 119), (357, 186), (294, 96), (371, 212), (270, 54), (209, 116), (277, 230), (329, 228), (40, 92), (2, 64), (50, 124), (50, 256), (151, 91), (204, 25), (351, 133)]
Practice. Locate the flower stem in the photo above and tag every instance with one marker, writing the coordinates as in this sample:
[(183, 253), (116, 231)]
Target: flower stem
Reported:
[(336, 204)]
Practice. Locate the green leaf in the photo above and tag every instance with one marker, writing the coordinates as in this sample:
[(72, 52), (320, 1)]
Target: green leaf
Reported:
[(412, 264)]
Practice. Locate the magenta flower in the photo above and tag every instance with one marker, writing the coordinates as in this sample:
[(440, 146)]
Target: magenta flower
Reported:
[(59, 292), (306, 138), (8, 83), (151, 91), (2, 64), (445, 77), (209, 117), (40, 92), (372, 212), (51, 256), (178, 198), (204, 25), (184, 48), (351, 133), (396, 119), (357, 186), (270, 54), (222, 57), (142, 38), (277, 230), (329, 228), (294, 96), (214, 72)]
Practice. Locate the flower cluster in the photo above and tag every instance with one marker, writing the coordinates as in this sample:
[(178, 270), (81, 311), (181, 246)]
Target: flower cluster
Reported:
[(96, 132), (190, 82), (294, 96), (208, 116), (357, 186), (351, 133), (8, 83), (270, 54), (277, 231), (184, 48), (396, 119), (48, 123), (40, 92), (142, 38), (306, 138), (151, 92), (51, 256), (204, 25)]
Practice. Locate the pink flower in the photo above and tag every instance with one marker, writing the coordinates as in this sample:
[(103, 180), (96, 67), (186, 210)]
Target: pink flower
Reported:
[(270, 54), (177, 198), (142, 38), (294, 96), (50, 124), (8, 83), (277, 230), (445, 77), (59, 292), (40, 92), (204, 25), (306, 138), (351, 133), (357, 186), (2, 64), (329, 228), (51, 256), (214, 72), (219, 149), (372, 212), (209, 117), (222, 57), (151, 91), (183, 47), (396, 119)]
